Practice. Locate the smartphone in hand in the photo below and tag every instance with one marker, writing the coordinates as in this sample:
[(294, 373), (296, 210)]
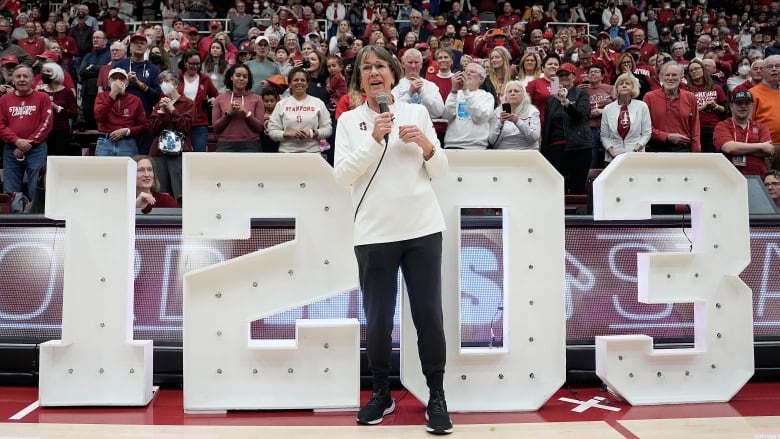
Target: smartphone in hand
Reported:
[(554, 86), (506, 108)]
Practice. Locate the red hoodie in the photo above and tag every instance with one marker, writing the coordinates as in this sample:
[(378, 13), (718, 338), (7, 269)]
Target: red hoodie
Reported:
[(126, 111), (25, 117)]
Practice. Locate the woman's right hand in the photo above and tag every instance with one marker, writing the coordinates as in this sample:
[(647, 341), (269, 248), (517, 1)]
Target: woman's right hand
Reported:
[(383, 124), (144, 199)]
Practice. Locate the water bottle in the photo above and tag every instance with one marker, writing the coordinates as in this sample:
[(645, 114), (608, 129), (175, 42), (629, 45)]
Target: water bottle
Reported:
[(463, 109)]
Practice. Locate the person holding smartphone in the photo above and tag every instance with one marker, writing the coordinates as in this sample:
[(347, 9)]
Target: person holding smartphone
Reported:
[(516, 125), (468, 110), (566, 137), (542, 88)]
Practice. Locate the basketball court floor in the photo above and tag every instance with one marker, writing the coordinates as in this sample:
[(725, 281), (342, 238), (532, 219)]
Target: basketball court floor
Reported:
[(571, 413)]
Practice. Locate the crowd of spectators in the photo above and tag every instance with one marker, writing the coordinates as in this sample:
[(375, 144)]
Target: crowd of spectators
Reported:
[(581, 81)]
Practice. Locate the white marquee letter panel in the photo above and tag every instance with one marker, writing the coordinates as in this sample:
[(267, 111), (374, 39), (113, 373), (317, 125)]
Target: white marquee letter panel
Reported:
[(223, 368), (721, 361), (96, 362), (531, 365)]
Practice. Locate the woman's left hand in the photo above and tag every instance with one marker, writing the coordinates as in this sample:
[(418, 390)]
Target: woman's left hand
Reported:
[(413, 134)]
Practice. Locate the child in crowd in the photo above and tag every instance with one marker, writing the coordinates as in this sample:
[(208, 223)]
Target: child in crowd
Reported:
[(270, 98), (336, 84)]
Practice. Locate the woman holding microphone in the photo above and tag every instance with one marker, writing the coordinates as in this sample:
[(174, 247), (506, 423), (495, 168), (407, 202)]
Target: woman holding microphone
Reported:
[(387, 152)]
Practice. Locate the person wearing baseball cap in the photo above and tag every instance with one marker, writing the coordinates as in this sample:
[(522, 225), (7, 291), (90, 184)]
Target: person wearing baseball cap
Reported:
[(142, 75), (9, 61), (120, 117), (193, 38), (7, 65), (745, 143), (566, 137), (142, 82), (51, 56), (261, 67)]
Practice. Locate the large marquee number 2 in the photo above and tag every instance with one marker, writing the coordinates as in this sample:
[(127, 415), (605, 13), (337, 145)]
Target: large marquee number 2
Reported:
[(721, 359), (223, 368)]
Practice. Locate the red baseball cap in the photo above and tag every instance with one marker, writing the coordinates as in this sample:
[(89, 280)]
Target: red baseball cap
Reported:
[(138, 35), (567, 67), (9, 59), (193, 30), (50, 55)]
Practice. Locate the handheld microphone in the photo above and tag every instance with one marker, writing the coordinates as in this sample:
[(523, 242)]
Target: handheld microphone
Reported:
[(381, 99)]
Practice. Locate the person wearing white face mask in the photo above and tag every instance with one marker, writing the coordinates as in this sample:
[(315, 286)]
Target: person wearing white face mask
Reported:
[(170, 124), (174, 48), (741, 75)]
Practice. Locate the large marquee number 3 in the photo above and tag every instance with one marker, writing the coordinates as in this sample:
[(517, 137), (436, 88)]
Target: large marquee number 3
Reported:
[(721, 359)]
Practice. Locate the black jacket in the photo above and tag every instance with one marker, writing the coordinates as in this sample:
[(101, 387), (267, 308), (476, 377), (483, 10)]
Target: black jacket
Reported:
[(575, 120)]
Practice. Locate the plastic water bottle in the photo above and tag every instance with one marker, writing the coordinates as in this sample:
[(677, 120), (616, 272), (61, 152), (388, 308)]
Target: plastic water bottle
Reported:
[(463, 109)]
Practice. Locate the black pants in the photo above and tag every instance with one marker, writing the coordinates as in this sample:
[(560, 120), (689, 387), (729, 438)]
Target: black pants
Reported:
[(420, 263), (573, 165), (706, 139)]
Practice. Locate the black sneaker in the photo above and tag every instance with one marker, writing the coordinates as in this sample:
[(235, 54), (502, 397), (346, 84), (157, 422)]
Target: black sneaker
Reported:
[(436, 415), (378, 406)]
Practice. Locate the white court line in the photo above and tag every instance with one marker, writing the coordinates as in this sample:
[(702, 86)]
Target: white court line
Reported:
[(25, 411)]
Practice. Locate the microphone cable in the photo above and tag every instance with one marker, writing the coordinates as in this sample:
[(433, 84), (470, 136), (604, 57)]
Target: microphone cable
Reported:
[(381, 99), (384, 151)]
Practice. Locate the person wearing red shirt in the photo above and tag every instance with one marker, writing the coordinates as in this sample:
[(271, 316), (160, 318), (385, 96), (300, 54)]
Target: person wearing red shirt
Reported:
[(601, 95), (443, 80), (50, 56), (711, 101), (173, 112), (507, 19), (67, 44), (147, 188), (118, 52), (25, 122), (745, 143), (32, 44), (646, 50), (541, 88), (205, 42), (113, 26), (120, 118), (675, 114), (197, 86)]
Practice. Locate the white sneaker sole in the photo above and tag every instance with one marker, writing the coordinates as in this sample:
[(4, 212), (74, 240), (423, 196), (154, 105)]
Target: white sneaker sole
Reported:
[(433, 430), (382, 418)]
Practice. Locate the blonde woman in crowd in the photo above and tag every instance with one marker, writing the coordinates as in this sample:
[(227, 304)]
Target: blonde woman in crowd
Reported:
[(625, 123), (518, 128), (499, 71), (530, 68)]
